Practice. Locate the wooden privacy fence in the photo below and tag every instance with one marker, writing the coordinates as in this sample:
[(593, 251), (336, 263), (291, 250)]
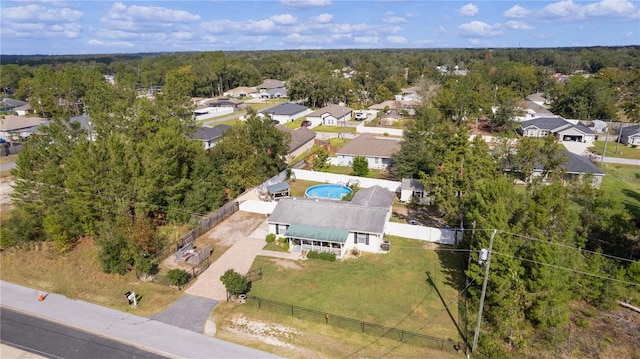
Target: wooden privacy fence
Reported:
[(203, 226), (400, 335)]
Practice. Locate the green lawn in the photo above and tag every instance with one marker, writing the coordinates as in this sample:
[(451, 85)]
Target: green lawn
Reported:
[(623, 181), (334, 129), (385, 289), (615, 150)]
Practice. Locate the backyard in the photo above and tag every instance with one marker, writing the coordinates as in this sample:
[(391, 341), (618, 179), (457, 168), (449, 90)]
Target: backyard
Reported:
[(616, 150), (360, 289)]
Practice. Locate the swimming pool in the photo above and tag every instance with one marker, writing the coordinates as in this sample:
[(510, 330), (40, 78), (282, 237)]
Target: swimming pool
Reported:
[(327, 191)]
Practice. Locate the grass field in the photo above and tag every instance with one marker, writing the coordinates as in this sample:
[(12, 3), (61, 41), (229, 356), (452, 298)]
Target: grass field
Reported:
[(619, 151), (623, 181), (389, 289)]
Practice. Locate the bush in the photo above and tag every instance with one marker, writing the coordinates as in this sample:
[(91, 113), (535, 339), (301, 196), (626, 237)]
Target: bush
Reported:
[(116, 255), (271, 238), (234, 282), (282, 240), (144, 265), (178, 277), (285, 246), (325, 256)]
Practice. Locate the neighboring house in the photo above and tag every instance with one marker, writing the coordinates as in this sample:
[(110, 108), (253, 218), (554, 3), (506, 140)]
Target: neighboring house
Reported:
[(559, 127), (279, 92), (238, 92), (302, 139), (411, 188), (14, 128), (376, 150), (629, 135), (208, 112), (575, 167), (269, 84), (397, 106), (409, 94), (210, 136), (23, 110), (9, 104), (599, 126), (577, 133), (334, 226), (236, 105), (286, 112), (330, 115)]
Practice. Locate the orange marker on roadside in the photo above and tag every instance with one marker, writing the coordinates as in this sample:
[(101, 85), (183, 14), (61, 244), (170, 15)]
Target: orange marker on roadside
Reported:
[(41, 297)]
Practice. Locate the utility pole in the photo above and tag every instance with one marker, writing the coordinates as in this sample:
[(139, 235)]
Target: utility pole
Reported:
[(484, 291), (604, 150)]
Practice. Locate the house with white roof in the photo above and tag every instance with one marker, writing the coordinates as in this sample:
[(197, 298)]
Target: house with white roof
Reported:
[(285, 112)]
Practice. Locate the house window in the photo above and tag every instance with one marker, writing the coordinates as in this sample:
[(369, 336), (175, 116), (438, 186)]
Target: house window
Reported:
[(544, 133), (376, 160), (361, 238), (281, 228)]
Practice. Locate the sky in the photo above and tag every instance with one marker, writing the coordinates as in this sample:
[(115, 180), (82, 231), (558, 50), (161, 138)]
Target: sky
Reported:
[(57, 27)]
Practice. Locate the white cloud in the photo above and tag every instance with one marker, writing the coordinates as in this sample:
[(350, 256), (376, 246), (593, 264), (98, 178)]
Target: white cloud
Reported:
[(137, 17), (114, 44), (517, 12), (365, 39), (612, 10), (397, 39), (322, 18), (468, 10), (284, 19), (37, 13), (305, 3), (518, 25), (479, 29), (394, 19)]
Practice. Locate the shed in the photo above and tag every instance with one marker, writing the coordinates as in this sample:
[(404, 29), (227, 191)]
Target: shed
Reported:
[(279, 190)]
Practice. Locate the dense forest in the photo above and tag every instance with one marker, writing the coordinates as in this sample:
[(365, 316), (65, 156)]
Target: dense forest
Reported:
[(555, 243)]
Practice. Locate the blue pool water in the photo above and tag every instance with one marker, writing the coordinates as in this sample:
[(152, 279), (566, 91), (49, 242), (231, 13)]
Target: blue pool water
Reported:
[(327, 191)]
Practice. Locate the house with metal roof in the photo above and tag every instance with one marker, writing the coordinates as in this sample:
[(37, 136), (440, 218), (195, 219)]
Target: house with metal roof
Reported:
[(332, 225), (269, 84), (330, 115), (285, 112), (378, 151)]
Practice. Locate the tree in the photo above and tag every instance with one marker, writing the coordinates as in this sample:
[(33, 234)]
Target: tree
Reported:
[(178, 277), (320, 159), (234, 282), (360, 166)]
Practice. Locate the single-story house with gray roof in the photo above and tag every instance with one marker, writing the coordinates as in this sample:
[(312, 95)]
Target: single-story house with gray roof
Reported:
[(629, 135), (377, 151), (210, 136), (18, 127), (559, 127), (334, 226), (285, 112), (575, 168), (330, 115), (302, 139)]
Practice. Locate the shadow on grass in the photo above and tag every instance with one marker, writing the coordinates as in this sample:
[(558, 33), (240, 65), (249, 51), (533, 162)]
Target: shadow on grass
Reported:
[(446, 306), (633, 208)]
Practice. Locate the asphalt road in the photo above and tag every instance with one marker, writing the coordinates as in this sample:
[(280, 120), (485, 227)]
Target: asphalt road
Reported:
[(53, 340)]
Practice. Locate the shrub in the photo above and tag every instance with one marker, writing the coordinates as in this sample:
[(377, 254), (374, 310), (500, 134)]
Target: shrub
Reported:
[(271, 238), (234, 282), (282, 240), (325, 256), (178, 277), (285, 246)]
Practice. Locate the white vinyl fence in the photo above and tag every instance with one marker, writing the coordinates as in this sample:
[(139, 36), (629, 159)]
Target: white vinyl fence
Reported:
[(430, 234)]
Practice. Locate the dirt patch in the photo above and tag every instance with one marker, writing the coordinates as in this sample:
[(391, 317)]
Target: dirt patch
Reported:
[(286, 264), (272, 334), (6, 188), (240, 225)]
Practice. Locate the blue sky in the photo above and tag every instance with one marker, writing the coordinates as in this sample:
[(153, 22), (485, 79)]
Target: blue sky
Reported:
[(96, 27)]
